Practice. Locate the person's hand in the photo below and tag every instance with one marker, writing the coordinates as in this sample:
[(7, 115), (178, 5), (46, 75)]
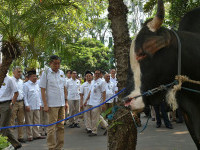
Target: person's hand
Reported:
[(11, 105), (103, 107), (81, 107), (46, 108), (28, 109), (85, 103), (66, 106)]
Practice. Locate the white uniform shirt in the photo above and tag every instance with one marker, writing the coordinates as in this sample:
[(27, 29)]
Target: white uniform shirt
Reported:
[(113, 79), (32, 95), (85, 89), (7, 89), (42, 104), (97, 88), (54, 83), (19, 83), (102, 79), (73, 89), (110, 91), (67, 79)]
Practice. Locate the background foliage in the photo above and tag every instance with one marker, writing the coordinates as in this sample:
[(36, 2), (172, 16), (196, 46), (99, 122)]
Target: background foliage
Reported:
[(46, 27), (175, 9)]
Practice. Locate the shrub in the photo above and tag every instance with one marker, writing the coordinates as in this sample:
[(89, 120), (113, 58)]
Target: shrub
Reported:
[(3, 142)]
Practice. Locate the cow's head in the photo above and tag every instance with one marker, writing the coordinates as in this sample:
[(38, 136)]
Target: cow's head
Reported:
[(150, 39)]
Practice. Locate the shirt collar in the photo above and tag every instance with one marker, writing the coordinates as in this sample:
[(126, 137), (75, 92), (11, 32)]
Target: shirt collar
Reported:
[(30, 82), (53, 71), (112, 77), (97, 80), (88, 82), (107, 82), (15, 78)]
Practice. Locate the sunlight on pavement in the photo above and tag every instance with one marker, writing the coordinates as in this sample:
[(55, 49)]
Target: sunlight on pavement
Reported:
[(182, 132)]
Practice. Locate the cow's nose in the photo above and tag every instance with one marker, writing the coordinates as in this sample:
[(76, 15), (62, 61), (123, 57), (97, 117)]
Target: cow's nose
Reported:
[(127, 101)]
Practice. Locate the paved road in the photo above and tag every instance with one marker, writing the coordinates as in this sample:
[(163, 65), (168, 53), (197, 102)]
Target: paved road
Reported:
[(151, 139)]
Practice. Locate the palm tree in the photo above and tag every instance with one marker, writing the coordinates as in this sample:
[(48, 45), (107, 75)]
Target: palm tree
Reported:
[(24, 24)]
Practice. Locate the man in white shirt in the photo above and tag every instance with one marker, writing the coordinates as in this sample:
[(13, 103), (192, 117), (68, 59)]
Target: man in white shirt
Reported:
[(110, 91), (114, 80), (18, 108), (113, 76), (84, 91), (68, 77), (32, 105), (7, 100), (96, 95), (73, 97), (53, 90)]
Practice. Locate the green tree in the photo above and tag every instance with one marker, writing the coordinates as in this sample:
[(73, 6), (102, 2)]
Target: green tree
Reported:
[(88, 54), (176, 10), (56, 29)]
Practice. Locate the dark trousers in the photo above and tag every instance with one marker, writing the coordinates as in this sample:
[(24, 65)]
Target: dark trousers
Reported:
[(161, 108), (5, 113)]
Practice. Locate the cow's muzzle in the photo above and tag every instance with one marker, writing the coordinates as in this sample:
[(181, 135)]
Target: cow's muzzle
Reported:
[(127, 101)]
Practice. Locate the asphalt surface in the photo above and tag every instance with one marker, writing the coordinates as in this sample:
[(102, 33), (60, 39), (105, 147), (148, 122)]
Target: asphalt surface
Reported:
[(150, 139)]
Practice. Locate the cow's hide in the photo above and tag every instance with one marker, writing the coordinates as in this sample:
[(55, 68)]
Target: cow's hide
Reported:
[(154, 61)]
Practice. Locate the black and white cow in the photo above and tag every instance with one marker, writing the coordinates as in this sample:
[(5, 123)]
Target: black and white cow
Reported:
[(153, 62)]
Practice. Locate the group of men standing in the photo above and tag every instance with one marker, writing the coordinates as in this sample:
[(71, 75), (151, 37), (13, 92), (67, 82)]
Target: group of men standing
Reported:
[(54, 95), (22, 101)]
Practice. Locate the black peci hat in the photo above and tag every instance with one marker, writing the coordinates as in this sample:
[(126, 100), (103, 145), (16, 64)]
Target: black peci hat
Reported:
[(31, 72), (88, 72)]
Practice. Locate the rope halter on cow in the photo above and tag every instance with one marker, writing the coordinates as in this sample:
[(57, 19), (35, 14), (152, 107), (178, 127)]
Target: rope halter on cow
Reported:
[(171, 95), (177, 87)]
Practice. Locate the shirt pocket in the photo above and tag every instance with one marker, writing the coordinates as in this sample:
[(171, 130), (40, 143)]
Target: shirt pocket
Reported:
[(62, 81), (51, 80), (31, 91)]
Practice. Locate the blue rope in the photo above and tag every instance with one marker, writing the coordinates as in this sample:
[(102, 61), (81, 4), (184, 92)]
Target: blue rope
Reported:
[(145, 126), (148, 93), (28, 125), (192, 90)]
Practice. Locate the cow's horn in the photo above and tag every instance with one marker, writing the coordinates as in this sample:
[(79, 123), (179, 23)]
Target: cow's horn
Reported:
[(157, 21)]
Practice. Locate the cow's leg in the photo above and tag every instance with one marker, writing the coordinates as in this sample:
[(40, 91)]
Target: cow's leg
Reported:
[(190, 127)]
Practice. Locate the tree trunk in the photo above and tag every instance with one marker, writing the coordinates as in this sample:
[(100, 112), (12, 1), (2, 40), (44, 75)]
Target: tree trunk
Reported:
[(122, 132), (10, 50), (118, 16), (6, 62)]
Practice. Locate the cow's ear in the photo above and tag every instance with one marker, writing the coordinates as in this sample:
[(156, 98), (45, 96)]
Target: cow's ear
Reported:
[(154, 44)]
